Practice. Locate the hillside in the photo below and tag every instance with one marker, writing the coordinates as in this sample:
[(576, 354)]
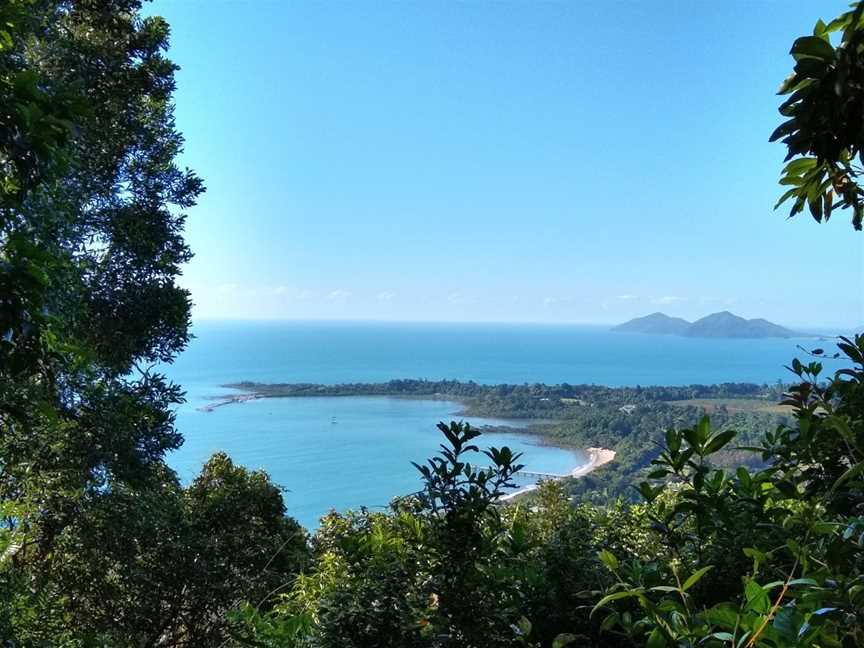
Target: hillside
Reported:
[(655, 324), (728, 325)]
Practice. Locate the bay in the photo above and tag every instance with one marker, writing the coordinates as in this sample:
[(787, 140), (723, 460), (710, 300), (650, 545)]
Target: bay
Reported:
[(349, 452), (340, 453)]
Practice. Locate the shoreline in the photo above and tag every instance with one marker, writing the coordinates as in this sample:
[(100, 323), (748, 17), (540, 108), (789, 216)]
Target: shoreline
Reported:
[(596, 457), (464, 410), (529, 427), (222, 401)]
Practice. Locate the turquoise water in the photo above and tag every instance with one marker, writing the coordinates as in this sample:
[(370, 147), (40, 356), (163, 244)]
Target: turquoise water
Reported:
[(347, 452), (363, 352), (337, 452)]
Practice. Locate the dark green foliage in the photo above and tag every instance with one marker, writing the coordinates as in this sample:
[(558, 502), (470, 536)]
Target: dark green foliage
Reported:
[(823, 451), (99, 544), (447, 567), (90, 249), (467, 543), (453, 488), (824, 111), (748, 533), (379, 598), (161, 565), (791, 532)]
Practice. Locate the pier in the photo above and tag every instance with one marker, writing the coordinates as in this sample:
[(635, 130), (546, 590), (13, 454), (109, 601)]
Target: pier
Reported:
[(527, 477), (242, 398)]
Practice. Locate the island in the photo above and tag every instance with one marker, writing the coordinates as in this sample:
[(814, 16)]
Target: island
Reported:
[(655, 324), (717, 325)]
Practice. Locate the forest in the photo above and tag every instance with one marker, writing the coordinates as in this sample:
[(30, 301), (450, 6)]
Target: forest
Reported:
[(102, 545)]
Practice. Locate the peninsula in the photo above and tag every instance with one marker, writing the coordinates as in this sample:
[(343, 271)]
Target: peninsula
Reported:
[(618, 428)]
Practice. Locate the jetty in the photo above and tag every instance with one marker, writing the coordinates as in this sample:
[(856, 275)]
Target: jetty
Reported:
[(527, 480), (527, 477)]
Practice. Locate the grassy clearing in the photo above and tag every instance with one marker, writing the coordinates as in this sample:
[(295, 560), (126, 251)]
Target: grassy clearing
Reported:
[(733, 405)]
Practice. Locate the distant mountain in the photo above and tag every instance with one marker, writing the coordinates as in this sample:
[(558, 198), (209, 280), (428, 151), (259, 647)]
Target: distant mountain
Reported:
[(727, 325), (655, 324), (716, 325)]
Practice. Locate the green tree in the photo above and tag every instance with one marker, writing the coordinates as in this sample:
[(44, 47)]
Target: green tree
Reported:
[(442, 568), (90, 243), (792, 534), (99, 544), (467, 543), (825, 110)]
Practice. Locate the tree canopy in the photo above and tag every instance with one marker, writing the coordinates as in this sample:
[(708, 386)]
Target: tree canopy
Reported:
[(825, 110), (101, 545), (98, 538)]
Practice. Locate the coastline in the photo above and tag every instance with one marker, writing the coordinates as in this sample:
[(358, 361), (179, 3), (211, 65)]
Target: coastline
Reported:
[(221, 401), (596, 457), (529, 427)]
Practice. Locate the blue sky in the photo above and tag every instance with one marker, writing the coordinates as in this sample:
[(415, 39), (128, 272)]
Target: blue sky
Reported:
[(506, 161)]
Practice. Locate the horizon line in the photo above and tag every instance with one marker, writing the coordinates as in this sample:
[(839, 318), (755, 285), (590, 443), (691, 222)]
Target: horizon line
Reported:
[(349, 320)]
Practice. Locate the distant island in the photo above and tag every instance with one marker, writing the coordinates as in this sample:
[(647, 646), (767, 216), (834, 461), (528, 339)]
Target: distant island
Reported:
[(716, 325)]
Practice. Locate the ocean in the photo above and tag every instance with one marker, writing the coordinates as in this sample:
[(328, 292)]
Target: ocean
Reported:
[(346, 453)]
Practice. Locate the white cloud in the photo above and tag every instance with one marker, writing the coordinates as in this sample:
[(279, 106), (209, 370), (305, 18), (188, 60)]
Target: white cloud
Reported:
[(668, 299), (550, 301), (606, 304), (385, 295), (288, 293), (338, 295), (726, 301), (459, 298)]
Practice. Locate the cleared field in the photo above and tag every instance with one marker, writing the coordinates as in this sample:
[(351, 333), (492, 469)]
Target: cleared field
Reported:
[(734, 405)]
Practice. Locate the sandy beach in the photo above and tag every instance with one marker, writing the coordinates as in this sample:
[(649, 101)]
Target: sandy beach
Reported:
[(596, 458)]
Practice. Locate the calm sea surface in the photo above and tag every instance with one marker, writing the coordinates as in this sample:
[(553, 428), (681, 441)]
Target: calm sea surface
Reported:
[(349, 452)]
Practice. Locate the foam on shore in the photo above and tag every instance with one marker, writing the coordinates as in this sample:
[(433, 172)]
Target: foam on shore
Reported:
[(596, 458)]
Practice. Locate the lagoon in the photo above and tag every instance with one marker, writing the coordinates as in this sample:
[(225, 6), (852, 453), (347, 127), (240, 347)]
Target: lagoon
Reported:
[(339, 452)]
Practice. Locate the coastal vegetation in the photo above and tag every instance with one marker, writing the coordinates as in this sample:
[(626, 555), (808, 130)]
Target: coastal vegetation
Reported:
[(101, 545)]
